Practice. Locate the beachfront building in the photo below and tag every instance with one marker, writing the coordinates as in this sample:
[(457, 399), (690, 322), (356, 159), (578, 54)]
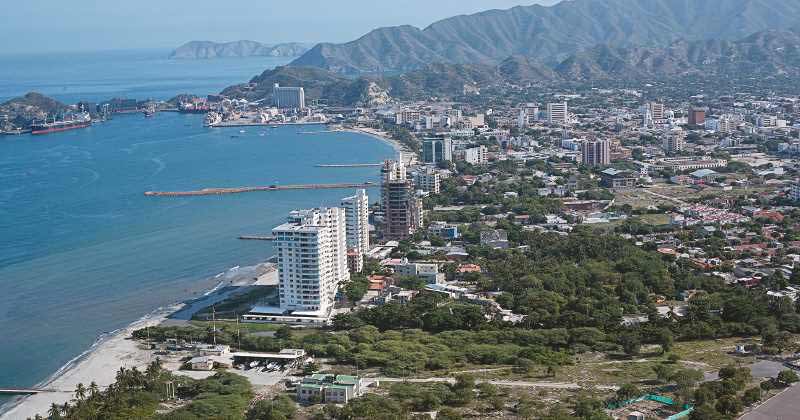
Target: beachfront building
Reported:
[(402, 211), (288, 97), (311, 250), (356, 210)]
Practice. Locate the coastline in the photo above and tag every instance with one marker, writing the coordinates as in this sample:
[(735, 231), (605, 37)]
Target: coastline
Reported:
[(381, 136), (113, 350), (99, 364), (101, 361)]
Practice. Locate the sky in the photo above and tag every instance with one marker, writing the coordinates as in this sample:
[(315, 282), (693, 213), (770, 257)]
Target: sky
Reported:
[(85, 25)]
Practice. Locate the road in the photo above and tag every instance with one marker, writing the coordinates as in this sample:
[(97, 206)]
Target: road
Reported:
[(784, 406)]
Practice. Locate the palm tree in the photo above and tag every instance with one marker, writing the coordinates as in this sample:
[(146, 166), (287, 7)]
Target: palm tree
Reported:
[(65, 409), (54, 412), (80, 392), (93, 389)]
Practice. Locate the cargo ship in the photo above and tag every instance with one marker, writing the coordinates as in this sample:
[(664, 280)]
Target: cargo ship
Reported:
[(80, 121)]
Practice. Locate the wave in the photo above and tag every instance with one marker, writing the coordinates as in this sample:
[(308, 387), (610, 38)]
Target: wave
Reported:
[(159, 314)]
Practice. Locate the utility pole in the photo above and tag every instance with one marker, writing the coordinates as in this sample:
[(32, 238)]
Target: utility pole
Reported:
[(214, 323), (238, 332)]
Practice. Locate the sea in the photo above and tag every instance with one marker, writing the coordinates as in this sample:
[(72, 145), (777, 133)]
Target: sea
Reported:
[(83, 252)]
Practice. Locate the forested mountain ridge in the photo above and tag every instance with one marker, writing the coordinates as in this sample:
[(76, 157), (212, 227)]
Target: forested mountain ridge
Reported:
[(551, 34)]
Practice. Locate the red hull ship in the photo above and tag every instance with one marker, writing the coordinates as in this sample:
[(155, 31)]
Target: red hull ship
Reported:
[(54, 127)]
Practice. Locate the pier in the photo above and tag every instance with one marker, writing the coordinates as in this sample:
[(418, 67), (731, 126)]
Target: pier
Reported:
[(349, 165), (257, 238), (22, 391), (240, 190)]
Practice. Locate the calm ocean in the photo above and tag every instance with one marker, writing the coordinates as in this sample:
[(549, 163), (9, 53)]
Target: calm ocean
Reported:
[(84, 252)]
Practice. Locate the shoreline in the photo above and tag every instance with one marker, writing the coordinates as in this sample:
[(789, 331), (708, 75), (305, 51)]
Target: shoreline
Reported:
[(115, 349), (380, 136)]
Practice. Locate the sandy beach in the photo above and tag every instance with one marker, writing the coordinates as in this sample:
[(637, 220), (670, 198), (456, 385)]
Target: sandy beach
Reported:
[(384, 137), (102, 361), (100, 364)]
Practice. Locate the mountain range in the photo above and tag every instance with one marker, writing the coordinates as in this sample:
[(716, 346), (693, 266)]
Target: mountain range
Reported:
[(552, 34), (763, 54), (209, 49)]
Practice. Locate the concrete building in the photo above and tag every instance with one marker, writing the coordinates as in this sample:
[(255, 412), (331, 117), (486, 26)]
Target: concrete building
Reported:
[(444, 230), (437, 149), (674, 141), (312, 261), (794, 192), (356, 210), (329, 389), (596, 153), (557, 113), (402, 211), (496, 238), (429, 181), (288, 97), (476, 155), (697, 117), (428, 272), (657, 112), (616, 179)]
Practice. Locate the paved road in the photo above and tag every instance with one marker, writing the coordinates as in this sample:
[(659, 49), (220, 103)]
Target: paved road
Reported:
[(784, 406)]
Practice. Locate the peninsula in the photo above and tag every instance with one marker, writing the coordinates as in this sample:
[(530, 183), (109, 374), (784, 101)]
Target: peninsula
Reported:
[(194, 50)]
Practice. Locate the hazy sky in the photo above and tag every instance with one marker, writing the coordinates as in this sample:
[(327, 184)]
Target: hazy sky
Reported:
[(71, 25)]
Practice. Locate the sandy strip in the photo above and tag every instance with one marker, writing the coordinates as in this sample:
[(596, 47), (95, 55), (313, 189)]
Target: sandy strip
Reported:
[(99, 364), (102, 361), (379, 135)]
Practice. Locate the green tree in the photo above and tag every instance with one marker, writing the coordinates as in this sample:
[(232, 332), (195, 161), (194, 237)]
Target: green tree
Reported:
[(448, 413), (665, 339), (80, 392), (279, 408), (787, 377), (751, 396), (729, 405), (284, 333), (627, 392), (705, 412), (631, 343)]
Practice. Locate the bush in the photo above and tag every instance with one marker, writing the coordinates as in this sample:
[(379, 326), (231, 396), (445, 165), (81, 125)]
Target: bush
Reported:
[(787, 377), (751, 396)]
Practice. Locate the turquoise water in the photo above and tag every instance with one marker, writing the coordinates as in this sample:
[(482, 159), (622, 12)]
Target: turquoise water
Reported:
[(84, 252)]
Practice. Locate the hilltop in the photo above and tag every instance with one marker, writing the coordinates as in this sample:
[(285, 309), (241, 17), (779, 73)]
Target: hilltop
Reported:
[(550, 34)]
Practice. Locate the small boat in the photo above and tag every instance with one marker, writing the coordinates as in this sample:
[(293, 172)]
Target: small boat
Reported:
[(242, 131)]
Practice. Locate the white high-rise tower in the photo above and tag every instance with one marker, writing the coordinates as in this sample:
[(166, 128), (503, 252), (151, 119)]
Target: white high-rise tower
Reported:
[(312, 260), (357, 215)]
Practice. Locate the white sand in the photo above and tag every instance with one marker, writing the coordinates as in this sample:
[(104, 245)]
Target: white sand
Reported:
[(101, 362), (380, 135), (100, 365)]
